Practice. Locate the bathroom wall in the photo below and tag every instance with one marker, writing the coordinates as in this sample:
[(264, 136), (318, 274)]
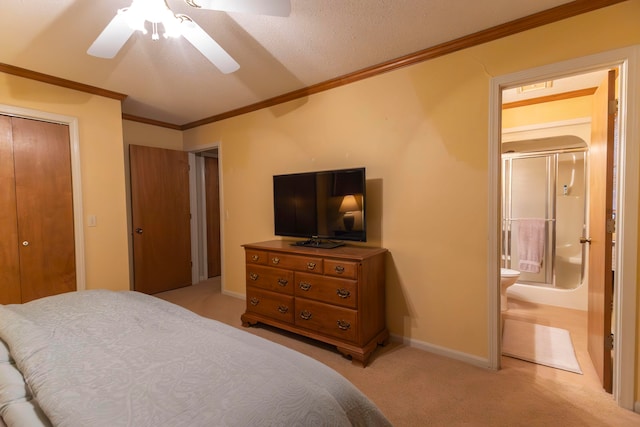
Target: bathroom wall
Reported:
[(570, 219)]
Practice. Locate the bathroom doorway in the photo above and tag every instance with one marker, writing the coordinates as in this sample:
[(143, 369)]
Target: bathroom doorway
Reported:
[(545, 187), (626, 250)]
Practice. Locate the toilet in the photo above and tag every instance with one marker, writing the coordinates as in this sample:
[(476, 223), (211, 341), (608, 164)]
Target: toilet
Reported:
[(507, 278)]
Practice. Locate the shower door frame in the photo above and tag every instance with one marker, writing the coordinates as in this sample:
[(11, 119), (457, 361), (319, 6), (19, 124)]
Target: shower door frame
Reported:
[(550, 209)]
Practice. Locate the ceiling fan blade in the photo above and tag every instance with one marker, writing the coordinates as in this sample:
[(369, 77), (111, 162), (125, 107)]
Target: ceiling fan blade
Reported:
[(112, 38), (262, 7), (208, 47)]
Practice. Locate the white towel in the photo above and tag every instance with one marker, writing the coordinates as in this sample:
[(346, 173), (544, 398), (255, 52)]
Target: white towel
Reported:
[(531, 238)]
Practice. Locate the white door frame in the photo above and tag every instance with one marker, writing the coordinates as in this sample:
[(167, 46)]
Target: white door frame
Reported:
[(76, 177), (198, 213), (628, 158)]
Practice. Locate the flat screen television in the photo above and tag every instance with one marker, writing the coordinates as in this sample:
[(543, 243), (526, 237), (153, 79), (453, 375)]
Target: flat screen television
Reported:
[(325, 207)]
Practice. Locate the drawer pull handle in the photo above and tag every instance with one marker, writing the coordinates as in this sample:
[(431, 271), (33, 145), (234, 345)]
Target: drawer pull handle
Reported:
[(283, 282), (254, 301), (311, 266), (305, 314), (283, 309), (339, 269), (344, 325), (255, 258), (343, 293), (275, 260), (253, 276), (305, 286)]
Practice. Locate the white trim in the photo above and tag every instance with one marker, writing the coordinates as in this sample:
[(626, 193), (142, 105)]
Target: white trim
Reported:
[(76, 177), (223, 218), (442, 351), (202, 213), (494, 327), (193, 223), (234, 294), (193, 196), (547, 125), (626, 59), (627, 237)]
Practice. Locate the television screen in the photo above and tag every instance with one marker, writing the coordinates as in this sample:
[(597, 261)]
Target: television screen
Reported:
[(321, 205)]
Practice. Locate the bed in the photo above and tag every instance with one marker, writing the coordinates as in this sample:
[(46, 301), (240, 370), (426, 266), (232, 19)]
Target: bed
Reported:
[(106, 358)]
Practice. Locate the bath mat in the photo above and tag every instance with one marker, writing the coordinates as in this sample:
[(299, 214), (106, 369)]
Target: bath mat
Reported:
[(539, 344)]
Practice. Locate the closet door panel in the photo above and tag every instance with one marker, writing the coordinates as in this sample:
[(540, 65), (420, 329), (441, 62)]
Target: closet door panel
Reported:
[(44, 202), (9, 255)]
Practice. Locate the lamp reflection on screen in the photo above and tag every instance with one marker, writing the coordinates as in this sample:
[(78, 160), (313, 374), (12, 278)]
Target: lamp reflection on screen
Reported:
[(348, 206)]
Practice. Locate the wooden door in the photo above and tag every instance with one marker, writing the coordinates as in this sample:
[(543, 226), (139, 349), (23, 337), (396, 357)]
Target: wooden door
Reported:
[(161, 219), (212, 190), (9, 251), (601, 154), (40, 245)]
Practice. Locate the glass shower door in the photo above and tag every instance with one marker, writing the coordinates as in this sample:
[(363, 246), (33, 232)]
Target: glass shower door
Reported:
[(528, 201)]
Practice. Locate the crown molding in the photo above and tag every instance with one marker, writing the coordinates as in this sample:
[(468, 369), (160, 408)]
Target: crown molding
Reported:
[(550, 98), (545, 17), (57, 81), (159, 123)]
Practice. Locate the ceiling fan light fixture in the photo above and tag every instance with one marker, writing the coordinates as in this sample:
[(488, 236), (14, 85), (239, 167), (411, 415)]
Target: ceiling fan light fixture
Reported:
[(172, 26), (133, 18), (154, 11)]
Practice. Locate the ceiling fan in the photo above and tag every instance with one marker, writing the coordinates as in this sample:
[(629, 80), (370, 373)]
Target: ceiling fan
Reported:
[(135, 17)]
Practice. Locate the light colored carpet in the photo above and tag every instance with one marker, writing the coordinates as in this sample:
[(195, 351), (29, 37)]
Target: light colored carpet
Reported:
[(539, 344), (417, 388)]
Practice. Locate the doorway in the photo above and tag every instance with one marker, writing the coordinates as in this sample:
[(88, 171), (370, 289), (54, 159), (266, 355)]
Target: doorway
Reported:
[(206, 202), (627, 201), (530, 168)]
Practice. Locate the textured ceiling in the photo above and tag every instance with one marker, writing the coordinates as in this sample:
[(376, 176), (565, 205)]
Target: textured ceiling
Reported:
[(169, 81)]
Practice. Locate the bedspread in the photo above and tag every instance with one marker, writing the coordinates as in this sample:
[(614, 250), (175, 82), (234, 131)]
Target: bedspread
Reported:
[(105, 358)]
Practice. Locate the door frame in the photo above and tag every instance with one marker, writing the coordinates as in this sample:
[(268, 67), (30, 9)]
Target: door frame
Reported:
[(76, 177), (628, 158), (198, 210)]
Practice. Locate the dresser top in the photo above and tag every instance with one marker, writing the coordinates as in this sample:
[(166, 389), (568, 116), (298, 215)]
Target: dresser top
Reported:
[(347, 251)]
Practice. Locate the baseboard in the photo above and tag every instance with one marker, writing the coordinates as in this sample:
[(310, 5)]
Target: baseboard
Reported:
[(636, 407), (442, 351), (234, 294)]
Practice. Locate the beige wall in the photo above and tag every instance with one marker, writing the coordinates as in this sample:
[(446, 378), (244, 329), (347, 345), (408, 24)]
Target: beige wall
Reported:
[(136, 133), (422, 133), (102, 170), (555, 111)]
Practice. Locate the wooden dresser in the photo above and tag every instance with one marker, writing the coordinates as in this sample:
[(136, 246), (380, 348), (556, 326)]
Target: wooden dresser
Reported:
[(332, 295)]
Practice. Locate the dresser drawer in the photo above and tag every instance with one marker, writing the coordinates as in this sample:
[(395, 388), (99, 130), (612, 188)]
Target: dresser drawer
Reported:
[(271, 279), (276, 306), (295, 262), (326, 319), (256, 257), (336, 296), (327, 289), (338, 268)]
